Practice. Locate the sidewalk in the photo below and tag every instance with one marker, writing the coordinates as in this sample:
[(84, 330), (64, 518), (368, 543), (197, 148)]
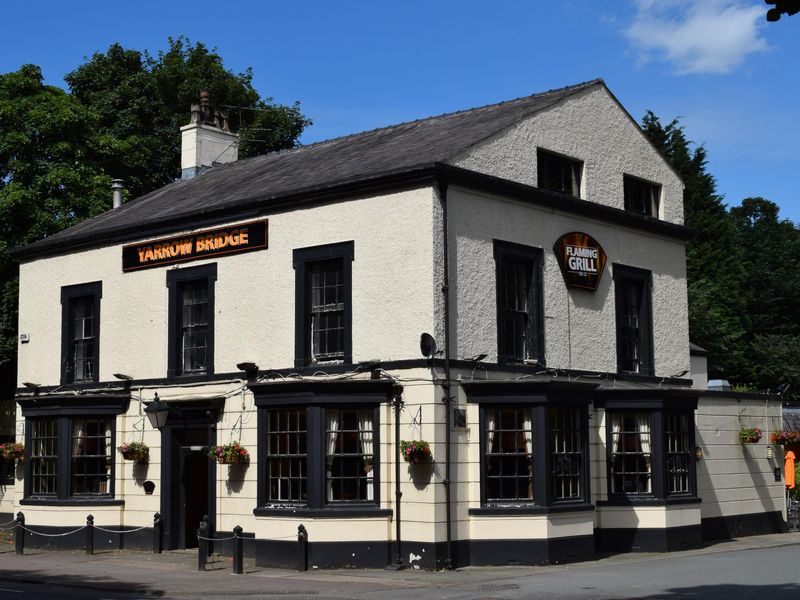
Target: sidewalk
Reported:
[(174, 574)]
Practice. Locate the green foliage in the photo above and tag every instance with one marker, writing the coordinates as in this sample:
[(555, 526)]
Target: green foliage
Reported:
[(717, 311), (142, 100)]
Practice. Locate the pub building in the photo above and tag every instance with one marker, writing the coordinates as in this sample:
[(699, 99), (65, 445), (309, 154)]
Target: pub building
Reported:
[(506, 283)]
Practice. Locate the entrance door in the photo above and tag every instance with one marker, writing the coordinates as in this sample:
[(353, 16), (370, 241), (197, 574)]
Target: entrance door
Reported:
[(188, 477)]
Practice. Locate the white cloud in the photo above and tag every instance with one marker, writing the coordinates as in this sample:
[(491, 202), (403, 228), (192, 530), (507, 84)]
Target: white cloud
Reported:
[(697, 36)]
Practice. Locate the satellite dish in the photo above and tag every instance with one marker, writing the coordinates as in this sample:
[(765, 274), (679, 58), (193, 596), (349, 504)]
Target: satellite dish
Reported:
[(427, 345)]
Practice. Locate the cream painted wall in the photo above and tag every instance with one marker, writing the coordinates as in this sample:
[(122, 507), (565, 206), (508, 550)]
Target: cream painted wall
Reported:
[(590, 127), (580, 326), (735, 478), (254, 293)]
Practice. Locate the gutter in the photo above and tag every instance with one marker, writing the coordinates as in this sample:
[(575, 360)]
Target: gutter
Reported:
[(442, 185)]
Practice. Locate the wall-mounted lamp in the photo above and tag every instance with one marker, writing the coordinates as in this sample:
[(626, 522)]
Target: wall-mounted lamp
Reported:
[(698, 453), (123, 377), (250, 369), (157, 412)]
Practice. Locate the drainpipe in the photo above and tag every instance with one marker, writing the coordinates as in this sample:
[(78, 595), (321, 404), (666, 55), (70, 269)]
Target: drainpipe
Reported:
[(442, 185), (117, 185)]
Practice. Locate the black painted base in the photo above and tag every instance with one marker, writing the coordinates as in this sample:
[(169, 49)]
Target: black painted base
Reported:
[(649, 540), (531, 552), (720, 528), (46, 536)]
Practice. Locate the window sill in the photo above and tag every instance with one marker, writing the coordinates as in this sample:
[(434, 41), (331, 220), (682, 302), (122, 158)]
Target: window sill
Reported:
[(517, 509), (71, 502), (649, 501), (332, 513)]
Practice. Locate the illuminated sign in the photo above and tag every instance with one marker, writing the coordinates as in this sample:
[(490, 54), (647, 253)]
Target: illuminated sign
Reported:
[(581, 259), (243, 237)]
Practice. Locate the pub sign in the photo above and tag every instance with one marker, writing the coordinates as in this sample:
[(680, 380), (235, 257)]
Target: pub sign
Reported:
[(581, 259), (242, 237)]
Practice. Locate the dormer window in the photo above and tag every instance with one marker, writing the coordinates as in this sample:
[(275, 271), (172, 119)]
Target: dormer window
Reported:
[(641, 197), (558, 173)]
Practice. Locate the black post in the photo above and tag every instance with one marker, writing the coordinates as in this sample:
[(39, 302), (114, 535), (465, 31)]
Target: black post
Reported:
[(202, 544), (90, 535), (238, 551), (397, 401), (302, 548), (158, 540), (19, 533)]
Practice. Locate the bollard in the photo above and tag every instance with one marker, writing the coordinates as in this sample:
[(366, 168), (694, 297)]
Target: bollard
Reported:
[(202, 544), (19, 533), (158, 539), (238, 551), (90, 535), (302, 548)]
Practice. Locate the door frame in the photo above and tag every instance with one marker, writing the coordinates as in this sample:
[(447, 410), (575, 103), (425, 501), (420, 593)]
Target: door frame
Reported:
[(187, 416)]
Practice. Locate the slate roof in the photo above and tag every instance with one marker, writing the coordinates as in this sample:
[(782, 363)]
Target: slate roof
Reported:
[(256, 180)]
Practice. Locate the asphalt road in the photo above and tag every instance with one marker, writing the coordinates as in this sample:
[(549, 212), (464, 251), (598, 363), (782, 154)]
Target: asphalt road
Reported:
[(767, 572)]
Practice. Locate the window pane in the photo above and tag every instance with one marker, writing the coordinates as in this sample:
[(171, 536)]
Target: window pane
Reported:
[(679, 454), (633, 323), (641, 197), (91, 456), (44, 456), (194, 326), (83, 338), (509, 454), (565, 452), (327, 311), (349, 455), (559, 174), (518, 308), (631, 459), (286, 468)]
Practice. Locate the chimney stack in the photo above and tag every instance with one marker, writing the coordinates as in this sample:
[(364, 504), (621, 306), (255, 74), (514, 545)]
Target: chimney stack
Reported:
[(117, 186), (207, 139)]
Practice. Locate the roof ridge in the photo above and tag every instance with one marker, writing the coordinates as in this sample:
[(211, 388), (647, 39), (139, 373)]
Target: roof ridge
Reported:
[(575, 87)]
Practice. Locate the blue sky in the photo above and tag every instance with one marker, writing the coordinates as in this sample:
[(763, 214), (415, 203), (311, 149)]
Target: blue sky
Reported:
[(732, 78)]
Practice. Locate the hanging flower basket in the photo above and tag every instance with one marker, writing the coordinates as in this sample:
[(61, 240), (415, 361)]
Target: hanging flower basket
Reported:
[(416, 452), (13, 450), (138, 452), (749, 436), (230, 454), (779, 438)]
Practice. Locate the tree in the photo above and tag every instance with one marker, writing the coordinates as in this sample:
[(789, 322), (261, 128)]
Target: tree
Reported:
[(49, 179), (771, 256), (717, 310), (142, 101)]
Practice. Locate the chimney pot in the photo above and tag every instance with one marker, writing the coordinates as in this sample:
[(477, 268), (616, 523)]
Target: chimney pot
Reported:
[(117, 185)]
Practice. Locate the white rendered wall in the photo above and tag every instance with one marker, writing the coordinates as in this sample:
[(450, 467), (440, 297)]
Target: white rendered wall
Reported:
[(204, 145), (254, 293), (590, 127), (580, 326), (735, 478)]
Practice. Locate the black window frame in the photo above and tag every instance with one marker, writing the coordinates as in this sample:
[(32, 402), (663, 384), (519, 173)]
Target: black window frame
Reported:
[(70, 294), (65, 411), (175, 280), (658, 405), (547, 161), (626, 277), (641, 197), (315, 398), (302, 260), (506, 253), (538, 398)]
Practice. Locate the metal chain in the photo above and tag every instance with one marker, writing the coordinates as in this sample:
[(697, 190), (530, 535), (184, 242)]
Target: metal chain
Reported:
[(9, 523), (9, 528), (52, 534), (233, 537), (120, 530)]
